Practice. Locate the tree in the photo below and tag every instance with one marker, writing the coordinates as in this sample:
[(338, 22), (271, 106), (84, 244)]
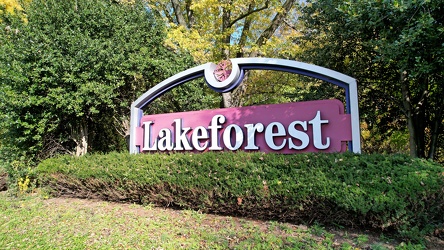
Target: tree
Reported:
[(394, 49), (69, 75), (215, 30)]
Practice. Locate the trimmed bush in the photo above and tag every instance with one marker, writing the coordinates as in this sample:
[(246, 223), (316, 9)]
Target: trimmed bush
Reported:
[(389, 192)]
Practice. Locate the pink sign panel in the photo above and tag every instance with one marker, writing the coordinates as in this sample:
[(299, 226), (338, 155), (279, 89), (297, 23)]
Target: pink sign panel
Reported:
[(314, 126)]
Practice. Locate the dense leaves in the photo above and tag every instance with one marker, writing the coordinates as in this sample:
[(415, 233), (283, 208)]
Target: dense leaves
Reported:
[(384, 192), (395, 50), (69, 74), (69, 70)]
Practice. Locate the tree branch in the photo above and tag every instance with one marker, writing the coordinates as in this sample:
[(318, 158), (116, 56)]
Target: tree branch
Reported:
[(243, 37), (290, 25), (178, 12), (423, 97), (275, 23), (190, 13), (164, 9), (250, 11)]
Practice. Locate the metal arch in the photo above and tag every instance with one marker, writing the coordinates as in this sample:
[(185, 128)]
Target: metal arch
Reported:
[(334, 77)]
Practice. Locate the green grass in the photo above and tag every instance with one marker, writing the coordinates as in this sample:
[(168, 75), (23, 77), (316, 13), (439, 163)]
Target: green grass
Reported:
[(31, 222), (385, 192)]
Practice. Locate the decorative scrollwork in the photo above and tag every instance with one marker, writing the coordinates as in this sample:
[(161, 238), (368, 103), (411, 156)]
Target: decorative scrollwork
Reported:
[(223, 70), (224, 76)]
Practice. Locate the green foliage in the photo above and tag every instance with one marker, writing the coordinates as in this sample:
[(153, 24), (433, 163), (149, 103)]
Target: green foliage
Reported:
[(394, 49), (10, 8), (21, 177), (192, 96), (72, 71), (266, 87), (384, 192)]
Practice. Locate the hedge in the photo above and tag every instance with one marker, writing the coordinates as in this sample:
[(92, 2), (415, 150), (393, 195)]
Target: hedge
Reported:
[(386, 192)]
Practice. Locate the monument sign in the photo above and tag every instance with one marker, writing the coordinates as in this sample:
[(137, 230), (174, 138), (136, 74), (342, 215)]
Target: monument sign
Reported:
[(313, 126)]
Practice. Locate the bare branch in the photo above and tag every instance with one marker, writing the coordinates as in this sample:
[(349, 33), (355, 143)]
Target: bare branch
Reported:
[(250, 11), (123, 126), (277, 20), (244, 34), (290, 25)]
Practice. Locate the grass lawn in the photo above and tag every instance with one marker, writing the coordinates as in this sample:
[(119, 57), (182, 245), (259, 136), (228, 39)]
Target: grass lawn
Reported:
[(32, 222)]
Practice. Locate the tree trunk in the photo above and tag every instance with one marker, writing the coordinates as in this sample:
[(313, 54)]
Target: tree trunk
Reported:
[(244, 33), (123, 127), (190, 13), (435, 133), (227, 100), (234, 98), (178, 12), (420, 124), (409, 114), (412, 141), (80, 137), (226, 38)]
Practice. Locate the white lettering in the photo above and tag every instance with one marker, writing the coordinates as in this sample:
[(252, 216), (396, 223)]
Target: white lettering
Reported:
[(251, 135), (202, 138), (317, 132), (165, 140), (147, 137), (270, 134), (297, 134), (239, 137), (214, 134), (180, 135), (199, 133)]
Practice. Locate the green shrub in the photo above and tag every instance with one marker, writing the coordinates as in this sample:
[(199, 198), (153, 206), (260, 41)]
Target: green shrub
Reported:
[(388, 192), (21, 177)]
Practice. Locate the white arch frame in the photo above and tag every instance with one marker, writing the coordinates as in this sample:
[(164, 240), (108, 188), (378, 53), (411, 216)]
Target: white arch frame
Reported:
[(239, 65)]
